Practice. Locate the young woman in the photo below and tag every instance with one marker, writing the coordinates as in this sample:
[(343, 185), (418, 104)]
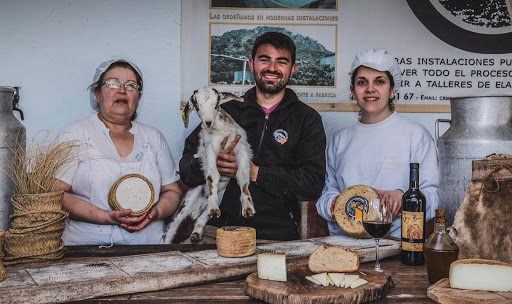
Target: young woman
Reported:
[(376, 150)]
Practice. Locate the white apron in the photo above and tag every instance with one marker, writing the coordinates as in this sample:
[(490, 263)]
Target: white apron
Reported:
[(103, 173)]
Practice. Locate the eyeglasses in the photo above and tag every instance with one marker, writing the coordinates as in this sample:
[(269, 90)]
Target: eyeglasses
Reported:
[(129, 86)]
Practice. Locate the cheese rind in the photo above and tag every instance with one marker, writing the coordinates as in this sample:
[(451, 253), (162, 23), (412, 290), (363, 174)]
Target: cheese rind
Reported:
[(236, 241), (479, 274), (272, 266)]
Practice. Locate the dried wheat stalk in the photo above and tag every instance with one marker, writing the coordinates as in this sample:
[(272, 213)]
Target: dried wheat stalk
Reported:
[(36, 170)]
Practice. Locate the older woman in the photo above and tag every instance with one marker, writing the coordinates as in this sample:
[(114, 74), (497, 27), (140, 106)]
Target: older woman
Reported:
[(116, 145), (376, 150)]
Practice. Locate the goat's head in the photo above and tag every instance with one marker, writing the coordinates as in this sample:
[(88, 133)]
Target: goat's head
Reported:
[(206, 101)]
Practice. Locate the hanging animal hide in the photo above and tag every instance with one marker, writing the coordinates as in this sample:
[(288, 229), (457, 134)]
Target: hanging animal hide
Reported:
[(484, 220)]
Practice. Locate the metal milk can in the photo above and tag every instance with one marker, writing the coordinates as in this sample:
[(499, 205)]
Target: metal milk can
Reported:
[(12, 134), (479, 126)]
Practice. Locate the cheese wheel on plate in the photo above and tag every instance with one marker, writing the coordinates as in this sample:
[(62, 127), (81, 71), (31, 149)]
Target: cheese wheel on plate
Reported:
[(350, 207)]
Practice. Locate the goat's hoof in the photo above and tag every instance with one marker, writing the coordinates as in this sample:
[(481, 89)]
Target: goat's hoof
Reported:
[(195, 237), (248, 213), (214, 213)]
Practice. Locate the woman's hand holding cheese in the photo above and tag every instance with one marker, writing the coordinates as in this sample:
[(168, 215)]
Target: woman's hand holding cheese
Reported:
[(395, 199)]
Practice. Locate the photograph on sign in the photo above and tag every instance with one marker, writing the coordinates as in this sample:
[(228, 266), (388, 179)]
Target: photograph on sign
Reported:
[(231, 46)]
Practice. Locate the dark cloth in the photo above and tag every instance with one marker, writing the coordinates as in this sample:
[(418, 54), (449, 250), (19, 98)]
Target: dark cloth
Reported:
[(289, 149)]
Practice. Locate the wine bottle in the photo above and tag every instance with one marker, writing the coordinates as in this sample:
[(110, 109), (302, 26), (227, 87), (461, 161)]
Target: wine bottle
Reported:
[(413, 221)]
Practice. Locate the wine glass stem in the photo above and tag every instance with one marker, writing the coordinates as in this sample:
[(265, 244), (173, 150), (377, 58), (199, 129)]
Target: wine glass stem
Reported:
[(377, 264)]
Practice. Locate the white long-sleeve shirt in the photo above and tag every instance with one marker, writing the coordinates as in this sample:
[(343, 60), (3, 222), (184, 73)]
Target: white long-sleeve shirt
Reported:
[(378, 155)]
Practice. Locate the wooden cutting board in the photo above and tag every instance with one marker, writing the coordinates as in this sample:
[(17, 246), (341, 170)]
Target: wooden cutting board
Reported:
[(298, 290), (442, 293)]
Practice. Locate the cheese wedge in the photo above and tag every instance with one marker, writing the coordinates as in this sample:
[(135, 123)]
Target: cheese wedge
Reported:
[(329, 280), (479, 274), (272, 266), (349, 278), (337, 278), (321, 278), (358, 283), (311, 279)]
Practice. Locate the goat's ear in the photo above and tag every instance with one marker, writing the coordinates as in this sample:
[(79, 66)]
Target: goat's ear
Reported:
[(226, 95), (189, 107)]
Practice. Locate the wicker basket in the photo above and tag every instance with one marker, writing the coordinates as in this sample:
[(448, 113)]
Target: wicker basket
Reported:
[(50, 201), (36, 229), (113, 197), (40, 222)]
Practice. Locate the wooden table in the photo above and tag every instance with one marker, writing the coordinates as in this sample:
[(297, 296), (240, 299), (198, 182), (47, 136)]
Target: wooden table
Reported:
[(410, 281)]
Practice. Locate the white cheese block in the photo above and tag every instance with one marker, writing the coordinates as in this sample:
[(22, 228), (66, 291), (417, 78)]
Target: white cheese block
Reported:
[(337, 278), (272, 266), (358, 283), (321, 278), (479, 274)]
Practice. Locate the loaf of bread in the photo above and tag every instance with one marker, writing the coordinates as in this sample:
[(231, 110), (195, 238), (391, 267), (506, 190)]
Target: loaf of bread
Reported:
[(479, 274), (333, 259)]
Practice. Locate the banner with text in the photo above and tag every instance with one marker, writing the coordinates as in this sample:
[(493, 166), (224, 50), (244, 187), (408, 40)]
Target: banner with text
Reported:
[(445, 48)]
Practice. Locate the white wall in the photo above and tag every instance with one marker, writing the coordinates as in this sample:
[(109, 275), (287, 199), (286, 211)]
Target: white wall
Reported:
[(51, 49)]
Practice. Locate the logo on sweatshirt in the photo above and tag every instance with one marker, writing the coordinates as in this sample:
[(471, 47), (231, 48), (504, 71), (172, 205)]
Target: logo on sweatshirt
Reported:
[(281, 136)]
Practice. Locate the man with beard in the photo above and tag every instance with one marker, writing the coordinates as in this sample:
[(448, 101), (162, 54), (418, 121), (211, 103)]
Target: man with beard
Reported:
[(288, 142)]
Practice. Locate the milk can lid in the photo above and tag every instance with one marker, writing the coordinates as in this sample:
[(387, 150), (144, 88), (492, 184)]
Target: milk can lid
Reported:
[(6, 89)]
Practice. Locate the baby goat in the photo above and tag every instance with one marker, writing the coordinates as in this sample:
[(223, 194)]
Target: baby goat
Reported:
[(216, 125)]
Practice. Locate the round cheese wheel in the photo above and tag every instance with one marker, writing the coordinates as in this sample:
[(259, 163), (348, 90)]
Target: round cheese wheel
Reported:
[(236, 241), (350, 207), (132, 191)]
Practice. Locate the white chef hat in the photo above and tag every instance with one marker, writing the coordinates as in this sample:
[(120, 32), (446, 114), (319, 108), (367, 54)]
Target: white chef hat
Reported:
[(379, 60), (100, 70)]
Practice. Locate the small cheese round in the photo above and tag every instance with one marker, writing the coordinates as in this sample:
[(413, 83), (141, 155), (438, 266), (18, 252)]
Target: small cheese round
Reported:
[(236, 241), (350, 207), (132, 191)]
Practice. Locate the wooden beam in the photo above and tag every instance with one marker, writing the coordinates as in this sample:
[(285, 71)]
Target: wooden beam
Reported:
[(403, 108), (352, 107)]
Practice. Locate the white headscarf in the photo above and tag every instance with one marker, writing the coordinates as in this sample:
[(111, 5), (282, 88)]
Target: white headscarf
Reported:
[(100, 70), (379, 60)]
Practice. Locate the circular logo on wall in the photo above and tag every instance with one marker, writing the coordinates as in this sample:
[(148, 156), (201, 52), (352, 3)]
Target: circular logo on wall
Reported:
[(483, 27), (281, 136)]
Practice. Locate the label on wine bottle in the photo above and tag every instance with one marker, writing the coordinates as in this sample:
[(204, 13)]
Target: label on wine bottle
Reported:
[(412, 231)]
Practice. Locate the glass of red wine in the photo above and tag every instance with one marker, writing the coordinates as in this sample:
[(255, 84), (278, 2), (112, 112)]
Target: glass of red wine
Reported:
[(377, 222)]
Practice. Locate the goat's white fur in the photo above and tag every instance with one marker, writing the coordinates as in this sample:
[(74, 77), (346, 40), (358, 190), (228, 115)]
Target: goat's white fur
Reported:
[(216, 125)]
